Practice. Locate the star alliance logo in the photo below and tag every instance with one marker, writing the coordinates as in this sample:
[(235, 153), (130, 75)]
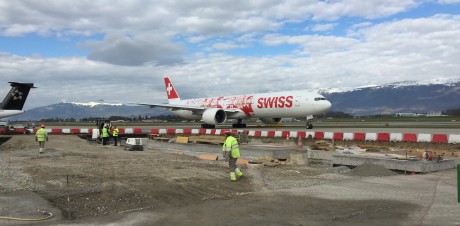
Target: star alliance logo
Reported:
[(17, 95)]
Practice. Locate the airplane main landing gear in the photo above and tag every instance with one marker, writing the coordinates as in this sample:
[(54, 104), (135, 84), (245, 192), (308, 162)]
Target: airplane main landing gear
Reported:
[(208, 126), (309, 126), (239, 124)]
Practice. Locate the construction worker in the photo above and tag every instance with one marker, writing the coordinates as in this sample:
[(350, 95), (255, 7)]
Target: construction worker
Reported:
[(41, 136), (105, 135), (231, 154), (115, 135)]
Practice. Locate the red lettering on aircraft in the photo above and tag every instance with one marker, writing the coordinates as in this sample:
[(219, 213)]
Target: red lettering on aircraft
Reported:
[(275, 102)]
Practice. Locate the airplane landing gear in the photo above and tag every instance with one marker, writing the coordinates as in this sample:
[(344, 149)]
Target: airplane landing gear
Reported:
[(239, 124), (309, 126), (208, 126)]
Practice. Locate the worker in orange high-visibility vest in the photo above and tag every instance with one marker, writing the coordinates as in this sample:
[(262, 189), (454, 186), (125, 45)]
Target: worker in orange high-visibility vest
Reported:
[(41, 136), (231, 154)]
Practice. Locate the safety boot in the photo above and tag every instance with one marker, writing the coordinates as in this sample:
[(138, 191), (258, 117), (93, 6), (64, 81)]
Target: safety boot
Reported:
[(238, 172), (41, 150), (232, 176)]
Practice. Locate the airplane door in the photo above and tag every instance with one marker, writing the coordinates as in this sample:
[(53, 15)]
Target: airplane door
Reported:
[(297, 100)]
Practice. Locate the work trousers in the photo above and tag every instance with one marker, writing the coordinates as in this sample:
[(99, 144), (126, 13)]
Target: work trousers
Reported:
[(105, 140), (41, 144), (232, 163), (115, 139)]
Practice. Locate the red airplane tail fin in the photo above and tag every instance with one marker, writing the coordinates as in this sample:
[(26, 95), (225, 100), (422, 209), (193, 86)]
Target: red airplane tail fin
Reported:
[(171, 91)]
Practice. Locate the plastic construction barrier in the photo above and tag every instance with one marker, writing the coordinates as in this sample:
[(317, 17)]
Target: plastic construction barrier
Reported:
[(309, 135), (410, 137), (263, 133), (328, 135), (301, 134), (359, 136), (423, 137), (285, 134), (319, 135), (56, 131), (385, 137), (371, 136), (454, 139), (348, 136), (439, 138), (270, 133), (396, 137), (278, 133), (338, 136)]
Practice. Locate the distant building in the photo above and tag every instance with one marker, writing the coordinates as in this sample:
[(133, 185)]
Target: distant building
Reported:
[(409, 114), (437, 113)]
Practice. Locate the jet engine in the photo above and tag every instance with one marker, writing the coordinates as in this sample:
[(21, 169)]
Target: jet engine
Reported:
[(214, 116), (270, 120)]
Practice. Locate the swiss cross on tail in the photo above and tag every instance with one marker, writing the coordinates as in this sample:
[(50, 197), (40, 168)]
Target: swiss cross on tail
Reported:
[(172, 94)]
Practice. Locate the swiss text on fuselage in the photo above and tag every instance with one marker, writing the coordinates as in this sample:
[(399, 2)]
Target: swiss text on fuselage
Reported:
[(275, 102)]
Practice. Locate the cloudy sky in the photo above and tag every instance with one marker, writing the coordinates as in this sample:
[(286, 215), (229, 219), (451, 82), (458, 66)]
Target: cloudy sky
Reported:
[(119, 51)]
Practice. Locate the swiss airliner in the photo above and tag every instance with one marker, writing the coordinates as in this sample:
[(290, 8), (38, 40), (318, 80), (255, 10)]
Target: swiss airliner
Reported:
[(268, 107), (15, 99)]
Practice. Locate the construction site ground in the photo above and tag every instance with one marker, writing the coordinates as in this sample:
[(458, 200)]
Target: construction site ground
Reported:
[(85, 183)]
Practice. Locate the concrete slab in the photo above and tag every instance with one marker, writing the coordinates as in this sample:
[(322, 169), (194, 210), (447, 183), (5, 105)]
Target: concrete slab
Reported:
[(421, 166), (24, 205)]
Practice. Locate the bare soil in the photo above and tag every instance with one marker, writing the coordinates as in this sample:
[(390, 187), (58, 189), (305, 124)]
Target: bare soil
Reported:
[(89, 182)]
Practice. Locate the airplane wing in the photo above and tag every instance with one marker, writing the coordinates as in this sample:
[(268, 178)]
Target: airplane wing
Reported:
[(194, 109)]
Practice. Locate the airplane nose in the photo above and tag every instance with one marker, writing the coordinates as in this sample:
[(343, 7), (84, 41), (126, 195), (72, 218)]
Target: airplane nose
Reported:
[(327, 105)]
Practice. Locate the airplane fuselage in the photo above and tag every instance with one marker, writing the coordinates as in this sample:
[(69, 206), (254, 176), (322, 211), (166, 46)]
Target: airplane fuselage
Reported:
[(8, 113), (289, 104)]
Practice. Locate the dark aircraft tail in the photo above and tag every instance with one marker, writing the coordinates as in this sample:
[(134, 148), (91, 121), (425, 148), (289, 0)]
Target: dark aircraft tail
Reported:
[(17, 96)]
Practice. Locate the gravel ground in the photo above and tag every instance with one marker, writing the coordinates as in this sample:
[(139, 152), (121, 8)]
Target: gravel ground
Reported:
[(100, 185)]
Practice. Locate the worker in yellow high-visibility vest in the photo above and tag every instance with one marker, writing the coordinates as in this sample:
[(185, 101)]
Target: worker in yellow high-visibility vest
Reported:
[(41, 136), (231, 153), (105, 135), (115, 132)]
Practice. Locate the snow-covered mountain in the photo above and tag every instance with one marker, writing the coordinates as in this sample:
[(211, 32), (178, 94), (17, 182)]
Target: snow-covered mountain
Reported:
[(401, 97), (67, 110)]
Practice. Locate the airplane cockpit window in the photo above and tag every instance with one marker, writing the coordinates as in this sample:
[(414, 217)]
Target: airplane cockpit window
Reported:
[(319, 98)]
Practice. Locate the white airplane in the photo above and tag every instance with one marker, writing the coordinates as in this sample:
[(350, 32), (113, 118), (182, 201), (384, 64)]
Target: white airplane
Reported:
[(15, 99), (268, 107)]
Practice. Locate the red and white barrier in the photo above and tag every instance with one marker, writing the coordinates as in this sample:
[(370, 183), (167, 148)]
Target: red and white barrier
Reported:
[(348, 136), (371, 136), (396, 137), (422, 137), (454, 139), (357, 136)]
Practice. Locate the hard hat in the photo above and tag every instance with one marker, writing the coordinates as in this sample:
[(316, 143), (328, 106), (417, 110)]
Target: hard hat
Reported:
[(42, 126)]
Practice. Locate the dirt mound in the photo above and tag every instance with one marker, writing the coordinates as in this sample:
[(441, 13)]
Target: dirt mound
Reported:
[(370, 170)]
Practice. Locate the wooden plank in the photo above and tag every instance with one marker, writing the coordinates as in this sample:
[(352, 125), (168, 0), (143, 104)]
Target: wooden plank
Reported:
[(182, 140)]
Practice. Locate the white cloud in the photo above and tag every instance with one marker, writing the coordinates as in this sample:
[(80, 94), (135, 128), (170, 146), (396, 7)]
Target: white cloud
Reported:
[(323, 27), (150, 39)]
